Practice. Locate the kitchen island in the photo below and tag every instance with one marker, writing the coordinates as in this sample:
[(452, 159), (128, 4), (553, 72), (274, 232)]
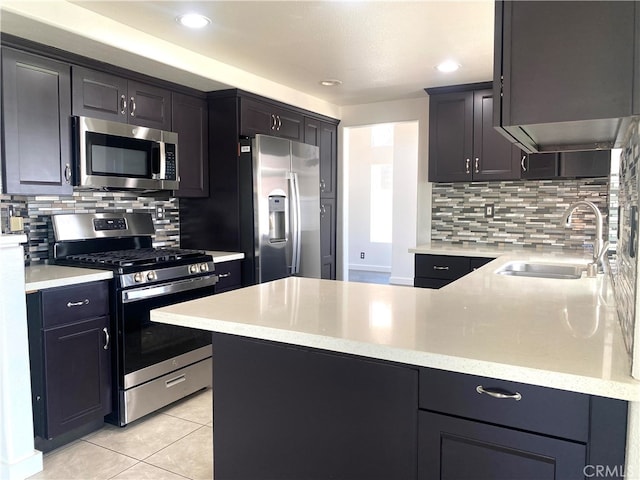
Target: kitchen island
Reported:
[(561, 335)]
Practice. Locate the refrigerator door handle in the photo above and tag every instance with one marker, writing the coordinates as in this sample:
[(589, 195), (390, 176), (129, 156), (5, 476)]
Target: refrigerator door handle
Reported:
[(295, 223)]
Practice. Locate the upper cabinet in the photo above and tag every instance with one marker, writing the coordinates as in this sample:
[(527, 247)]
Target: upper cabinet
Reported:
[(109, 97), (36, 126), (190, 122), (268, 119), (591, 163), (463, 145), (324, 135), (564, 72)]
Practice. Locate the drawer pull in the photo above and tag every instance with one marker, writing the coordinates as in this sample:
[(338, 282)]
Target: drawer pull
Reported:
[(78, 304), (437, 267), (107, 338), (224, 275), (175, 381), (513, 396)]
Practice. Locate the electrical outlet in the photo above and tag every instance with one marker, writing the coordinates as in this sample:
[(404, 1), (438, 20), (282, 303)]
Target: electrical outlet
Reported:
[(159, 212), (488, 210), (362, 255)]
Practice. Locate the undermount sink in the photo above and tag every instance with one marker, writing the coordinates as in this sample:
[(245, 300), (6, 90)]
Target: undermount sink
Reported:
[(542, 270)]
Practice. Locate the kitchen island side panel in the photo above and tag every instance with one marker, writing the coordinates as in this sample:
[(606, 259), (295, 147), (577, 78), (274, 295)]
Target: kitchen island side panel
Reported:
[(296, 413)]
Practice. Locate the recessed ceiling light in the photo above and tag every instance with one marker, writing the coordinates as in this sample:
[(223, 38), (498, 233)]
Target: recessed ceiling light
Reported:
[(448, 66), (193, 20), (330, 83)]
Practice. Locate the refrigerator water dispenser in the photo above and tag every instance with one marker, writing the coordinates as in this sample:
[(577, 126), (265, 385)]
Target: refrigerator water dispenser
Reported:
[(277, 219)]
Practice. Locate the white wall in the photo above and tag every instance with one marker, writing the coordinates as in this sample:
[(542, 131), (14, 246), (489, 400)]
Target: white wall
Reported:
[(414, 213)]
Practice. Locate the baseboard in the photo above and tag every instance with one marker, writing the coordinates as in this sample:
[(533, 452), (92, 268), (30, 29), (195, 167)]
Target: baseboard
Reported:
[(23, 468), (370, 268), (408, 281)]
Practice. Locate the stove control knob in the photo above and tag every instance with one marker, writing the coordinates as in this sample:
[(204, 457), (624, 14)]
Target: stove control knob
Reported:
[(137, 277), (204, 267), (151, 276), (193, 268)]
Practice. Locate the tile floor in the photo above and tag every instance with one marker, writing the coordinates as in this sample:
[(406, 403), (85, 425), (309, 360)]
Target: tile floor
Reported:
[(172, 444)]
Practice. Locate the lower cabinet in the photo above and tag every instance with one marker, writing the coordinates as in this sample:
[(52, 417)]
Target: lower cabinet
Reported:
[(229, 276), (70, 346), (436, 271), (328, 238)]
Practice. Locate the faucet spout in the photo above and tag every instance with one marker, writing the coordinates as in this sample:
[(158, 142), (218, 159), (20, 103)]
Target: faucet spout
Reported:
[(599, 245)]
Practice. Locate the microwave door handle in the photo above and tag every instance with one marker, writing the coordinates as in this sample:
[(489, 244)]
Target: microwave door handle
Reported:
[(155, 160)]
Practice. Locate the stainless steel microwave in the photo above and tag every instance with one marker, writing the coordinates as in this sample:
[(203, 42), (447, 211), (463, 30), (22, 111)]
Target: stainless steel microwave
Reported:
[(118, 156)]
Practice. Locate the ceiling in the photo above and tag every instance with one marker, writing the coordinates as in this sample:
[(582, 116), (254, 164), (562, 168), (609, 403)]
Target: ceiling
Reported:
[(380, 50)]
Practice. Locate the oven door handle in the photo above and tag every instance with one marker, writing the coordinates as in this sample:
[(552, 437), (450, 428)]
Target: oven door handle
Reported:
[(137, 294)]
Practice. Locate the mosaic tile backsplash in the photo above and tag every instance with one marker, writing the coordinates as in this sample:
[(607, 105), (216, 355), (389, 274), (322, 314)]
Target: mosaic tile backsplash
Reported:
[(626, 271), (525, 213), (36, 213)]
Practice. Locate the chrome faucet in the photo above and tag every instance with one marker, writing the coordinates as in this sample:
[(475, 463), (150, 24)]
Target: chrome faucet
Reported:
[(599, 245)]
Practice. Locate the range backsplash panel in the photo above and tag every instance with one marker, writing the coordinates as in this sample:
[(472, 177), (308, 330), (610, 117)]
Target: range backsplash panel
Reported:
[(525, 213), (626, 262), (36, 213)]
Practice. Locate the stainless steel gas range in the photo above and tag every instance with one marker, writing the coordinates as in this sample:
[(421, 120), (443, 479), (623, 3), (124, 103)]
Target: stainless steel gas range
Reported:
[(154, 364)]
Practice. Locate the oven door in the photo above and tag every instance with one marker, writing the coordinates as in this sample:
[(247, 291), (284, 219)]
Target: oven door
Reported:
[(148, 349)]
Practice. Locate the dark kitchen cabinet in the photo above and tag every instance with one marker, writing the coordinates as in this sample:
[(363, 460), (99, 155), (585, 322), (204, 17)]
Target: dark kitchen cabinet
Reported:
[(508, 430), (190, 122), (463, 145), (324, 135), (229, 276), (110, 97), (564, 72), (70, 354), (301, 413), (436, 271), (583, 164), (264, 118), (328, 238), (36, 126)]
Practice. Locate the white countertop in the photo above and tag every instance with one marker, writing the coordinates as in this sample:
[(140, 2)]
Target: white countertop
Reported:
[(556, 333), (41, 276)]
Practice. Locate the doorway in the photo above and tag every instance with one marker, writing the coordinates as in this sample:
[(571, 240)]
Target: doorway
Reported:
[(381, 188)]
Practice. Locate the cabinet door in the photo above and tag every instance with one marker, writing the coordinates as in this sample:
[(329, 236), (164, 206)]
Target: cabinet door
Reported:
[(288, 124), (328, 238), (452, 448), (99, 95), (256, 118), (229, 276), (325, 136), (149, 106), (594, 163), (77, 374), (190, 123), (539, 166), (450, 137), (557, 62), (492, 152), (36, 103)]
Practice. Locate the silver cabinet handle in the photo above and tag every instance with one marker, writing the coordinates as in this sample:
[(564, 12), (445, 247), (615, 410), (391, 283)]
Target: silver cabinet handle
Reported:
[(175, 381), (106, 338), (224, 275), (509, 396), (468, 165), (273, 122), (279, 122), (78, 304), (437, 267), (323, 210), (133, 107), (67, 173), (524, 169), (123, 105), (322, 185), (477, 165)]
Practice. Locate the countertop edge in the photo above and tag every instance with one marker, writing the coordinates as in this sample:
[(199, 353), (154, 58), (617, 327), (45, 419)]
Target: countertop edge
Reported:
[(550, 379)]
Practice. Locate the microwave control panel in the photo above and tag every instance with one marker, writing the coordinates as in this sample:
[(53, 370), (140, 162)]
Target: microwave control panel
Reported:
[(170, 161)]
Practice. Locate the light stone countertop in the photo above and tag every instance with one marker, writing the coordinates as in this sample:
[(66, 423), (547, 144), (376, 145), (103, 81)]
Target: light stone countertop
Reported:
[(41, 276), (555, 333)]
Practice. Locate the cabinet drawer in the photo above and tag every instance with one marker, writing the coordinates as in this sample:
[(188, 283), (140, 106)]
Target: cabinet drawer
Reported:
[(441, 266), (229, 275), (64, 305), (543, 410)]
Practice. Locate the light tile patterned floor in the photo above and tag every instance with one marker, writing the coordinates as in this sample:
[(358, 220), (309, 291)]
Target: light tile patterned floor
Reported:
[(173, 443)]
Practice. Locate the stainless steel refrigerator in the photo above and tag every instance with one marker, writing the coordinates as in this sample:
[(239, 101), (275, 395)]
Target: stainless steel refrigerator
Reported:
[(279, 208)]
